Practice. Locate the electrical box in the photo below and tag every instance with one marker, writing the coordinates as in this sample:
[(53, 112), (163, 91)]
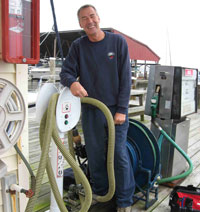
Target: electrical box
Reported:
[(20, 31), (177, 94)]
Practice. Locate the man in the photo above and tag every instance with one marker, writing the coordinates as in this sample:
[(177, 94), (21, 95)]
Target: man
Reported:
[(101, 61)]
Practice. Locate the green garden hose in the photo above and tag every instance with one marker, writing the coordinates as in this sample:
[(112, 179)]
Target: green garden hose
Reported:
[(163, 133), (154, 105), (27, 166), (183, 175)]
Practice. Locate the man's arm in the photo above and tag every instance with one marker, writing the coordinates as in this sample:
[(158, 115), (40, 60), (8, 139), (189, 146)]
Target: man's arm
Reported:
[(125, 83), (70, 67), (70, 72)]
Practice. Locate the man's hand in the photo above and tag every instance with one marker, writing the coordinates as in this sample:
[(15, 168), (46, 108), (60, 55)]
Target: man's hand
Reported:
[(78, 90), (119, 118)]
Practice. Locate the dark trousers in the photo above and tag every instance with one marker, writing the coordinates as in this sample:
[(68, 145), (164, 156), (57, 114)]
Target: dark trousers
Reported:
[(94, 126)]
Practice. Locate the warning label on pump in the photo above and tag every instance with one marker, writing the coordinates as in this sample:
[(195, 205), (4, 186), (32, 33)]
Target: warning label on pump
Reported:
[(60, 164), (15, 7), (188, 72), (188, 97), (66, 107)]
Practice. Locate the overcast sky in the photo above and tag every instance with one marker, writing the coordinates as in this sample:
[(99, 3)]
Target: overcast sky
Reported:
[(168, 27)]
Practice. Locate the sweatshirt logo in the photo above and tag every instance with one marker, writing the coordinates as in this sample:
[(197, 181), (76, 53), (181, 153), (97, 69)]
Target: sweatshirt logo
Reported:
[(111, 55)]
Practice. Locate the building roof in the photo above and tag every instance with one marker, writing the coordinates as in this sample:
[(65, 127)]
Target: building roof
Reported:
[(137, 50)]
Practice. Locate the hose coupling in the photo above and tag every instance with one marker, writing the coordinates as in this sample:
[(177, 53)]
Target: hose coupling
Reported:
[(79, 147), (74, 191), (76, 136), (29, 193), (16, 188)]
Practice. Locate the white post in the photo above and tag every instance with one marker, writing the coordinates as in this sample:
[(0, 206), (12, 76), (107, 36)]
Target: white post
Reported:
[(57, 166), (68, 111)]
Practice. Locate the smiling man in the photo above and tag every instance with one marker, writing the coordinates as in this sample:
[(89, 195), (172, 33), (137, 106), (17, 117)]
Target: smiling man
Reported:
[(89, 21), (101, 61)]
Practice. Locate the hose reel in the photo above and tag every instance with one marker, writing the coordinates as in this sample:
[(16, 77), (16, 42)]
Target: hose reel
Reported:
[(143, 148), (12, 115), (144, 155)]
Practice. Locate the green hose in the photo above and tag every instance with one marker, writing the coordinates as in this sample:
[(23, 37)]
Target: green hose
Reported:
[(149, 140), (163, 133), (77, 170), (111, 147), (72, 152), (27, 166), (48, 129), (44, 152), (154, 105), (50, 173), (169, 179)]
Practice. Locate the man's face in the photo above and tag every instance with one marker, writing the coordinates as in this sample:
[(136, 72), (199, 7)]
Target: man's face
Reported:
[(89, 21)]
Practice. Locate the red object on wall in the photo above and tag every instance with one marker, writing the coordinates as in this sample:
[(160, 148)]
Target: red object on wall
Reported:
[(20, 31)]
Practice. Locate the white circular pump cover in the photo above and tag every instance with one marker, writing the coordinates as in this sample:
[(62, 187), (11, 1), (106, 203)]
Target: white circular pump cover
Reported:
[(43, 98), (68, 110)]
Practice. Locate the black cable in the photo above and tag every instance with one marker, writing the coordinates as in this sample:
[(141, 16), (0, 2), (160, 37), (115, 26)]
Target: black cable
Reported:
[(56, 29)]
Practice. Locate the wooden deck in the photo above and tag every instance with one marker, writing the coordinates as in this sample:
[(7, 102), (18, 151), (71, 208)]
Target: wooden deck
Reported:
[(163, 196)]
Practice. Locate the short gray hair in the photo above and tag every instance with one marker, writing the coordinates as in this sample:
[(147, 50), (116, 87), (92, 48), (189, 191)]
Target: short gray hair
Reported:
[(85, 6)]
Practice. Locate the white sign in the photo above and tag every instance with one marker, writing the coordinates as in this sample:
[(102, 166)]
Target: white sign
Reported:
[(15, 7)]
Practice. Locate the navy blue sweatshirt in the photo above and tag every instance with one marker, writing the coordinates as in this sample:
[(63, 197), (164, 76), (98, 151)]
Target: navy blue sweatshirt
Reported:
[(103, 69)]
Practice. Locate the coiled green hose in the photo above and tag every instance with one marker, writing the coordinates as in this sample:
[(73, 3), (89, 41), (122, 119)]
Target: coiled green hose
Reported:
[(44, 153), (163, 133), (48, 129)]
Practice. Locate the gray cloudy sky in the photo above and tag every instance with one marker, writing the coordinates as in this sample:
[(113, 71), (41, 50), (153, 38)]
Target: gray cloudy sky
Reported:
[(156, 23)]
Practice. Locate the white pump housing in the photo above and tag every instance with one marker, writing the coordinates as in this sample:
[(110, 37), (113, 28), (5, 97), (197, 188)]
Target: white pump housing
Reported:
[(68, 110), (43, 98)]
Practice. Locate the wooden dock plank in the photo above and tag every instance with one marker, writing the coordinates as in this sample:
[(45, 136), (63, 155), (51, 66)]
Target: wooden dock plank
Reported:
[(192, 179)]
